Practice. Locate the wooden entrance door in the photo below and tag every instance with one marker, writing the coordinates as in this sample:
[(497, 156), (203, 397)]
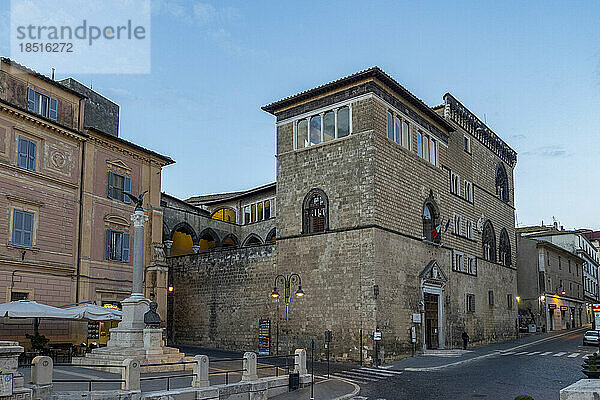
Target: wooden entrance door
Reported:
[(431, 321)]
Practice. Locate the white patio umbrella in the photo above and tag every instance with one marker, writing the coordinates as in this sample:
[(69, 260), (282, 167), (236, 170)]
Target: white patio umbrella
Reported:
[(32, 309), (92, 312)]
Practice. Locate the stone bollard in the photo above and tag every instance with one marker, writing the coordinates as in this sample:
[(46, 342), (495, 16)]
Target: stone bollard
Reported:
[(41, 370), (200, 372), (300, 362), (250, 372), (131, 375)]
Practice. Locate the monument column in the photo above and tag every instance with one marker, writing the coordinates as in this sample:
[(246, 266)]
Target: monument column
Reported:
[(139, 219)]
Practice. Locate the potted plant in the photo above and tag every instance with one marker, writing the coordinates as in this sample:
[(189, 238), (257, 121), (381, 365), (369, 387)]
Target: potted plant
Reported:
[(590, 367)]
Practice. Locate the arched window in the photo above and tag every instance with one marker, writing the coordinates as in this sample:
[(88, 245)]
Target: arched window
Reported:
[(489, 241), (504, 248), (432, 231), (225, 214), (271, 236), (315, 212), (502, 183)]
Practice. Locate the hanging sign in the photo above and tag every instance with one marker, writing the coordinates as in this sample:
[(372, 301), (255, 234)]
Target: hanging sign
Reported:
[(564, 308), (552, 306)]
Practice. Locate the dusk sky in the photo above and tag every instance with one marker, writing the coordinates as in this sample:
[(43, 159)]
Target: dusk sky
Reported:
[(530, 69)]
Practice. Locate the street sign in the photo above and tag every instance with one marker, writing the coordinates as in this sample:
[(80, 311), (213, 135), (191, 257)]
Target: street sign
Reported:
[(6, 385), (552, 306), (413, 334), (416, 318), (564, 308), (377, 336), (596, 307), (328, 336)]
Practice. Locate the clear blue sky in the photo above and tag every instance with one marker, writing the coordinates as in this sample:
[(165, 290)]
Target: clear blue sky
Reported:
[(531, 68)]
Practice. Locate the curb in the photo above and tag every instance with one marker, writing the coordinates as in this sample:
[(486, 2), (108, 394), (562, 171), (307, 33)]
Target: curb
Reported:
[(495, 352), (349, 395)]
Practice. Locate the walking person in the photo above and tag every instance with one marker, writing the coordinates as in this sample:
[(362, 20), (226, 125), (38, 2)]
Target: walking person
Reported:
[(465, 338)]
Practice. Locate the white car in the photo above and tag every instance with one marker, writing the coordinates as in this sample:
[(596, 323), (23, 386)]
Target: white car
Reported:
[(590, 338)]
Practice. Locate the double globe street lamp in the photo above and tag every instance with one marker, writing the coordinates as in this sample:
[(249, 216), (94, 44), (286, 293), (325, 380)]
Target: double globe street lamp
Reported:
[(287, 282)]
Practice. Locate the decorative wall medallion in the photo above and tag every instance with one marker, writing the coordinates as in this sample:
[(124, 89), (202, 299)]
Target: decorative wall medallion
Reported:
[(59, 158)]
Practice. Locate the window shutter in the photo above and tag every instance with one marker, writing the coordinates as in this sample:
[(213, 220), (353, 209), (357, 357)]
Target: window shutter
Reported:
[(22, 153), (17, 227), (111, 177), (125, 248), (31, 100), (53, 109), (27, 229), (126, 188), (31, 156), (108, 235)]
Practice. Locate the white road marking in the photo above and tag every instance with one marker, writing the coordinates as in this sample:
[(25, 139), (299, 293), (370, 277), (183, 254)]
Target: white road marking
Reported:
[(378, 374), (378, 370), (573, 355), (354, 375), (350, 379), (559, 354), (507, 353), (521, 353), (533, 353), (546, 353)]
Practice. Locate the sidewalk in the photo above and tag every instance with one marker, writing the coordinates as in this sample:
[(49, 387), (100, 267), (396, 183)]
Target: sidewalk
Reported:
[(327, 389), (435, 362)]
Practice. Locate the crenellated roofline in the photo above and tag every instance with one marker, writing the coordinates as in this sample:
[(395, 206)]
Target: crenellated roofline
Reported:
[(456, 112)]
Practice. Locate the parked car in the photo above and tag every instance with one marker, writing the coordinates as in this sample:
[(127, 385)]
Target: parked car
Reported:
[(590, 338)]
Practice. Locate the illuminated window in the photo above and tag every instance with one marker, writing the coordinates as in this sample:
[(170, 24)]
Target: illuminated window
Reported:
[(225, 214)]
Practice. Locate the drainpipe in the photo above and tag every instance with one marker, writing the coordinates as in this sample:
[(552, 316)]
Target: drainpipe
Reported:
[(80, 222)]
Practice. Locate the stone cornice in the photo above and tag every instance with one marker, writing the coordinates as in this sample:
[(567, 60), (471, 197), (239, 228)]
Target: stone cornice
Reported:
[(25, 116), (456, 112)]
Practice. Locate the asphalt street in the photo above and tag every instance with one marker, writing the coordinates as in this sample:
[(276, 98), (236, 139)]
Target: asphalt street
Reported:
[(539, 370)]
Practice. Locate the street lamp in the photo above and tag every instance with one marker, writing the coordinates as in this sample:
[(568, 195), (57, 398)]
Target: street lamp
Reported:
[(286, 282)]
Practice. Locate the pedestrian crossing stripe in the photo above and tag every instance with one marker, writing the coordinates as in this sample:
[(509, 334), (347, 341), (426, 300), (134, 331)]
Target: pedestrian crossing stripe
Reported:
[(546, 353), (573, 355), (345, 378), (353, 375), (375, 373), (382, 371), (533, 353), (559, 354)]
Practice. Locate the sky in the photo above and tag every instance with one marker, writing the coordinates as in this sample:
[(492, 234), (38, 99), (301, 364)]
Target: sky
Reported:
[(530, 69)]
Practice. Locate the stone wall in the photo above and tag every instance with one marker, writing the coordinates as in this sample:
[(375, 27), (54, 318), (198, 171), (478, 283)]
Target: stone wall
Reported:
[(220, 296)]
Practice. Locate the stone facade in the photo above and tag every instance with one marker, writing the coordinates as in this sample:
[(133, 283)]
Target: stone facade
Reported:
[(374, 266)]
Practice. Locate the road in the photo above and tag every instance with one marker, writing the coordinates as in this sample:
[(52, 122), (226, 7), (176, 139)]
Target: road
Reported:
[(539, 370)]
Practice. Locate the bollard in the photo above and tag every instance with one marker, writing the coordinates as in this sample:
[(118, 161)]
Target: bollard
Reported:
[(131, 375), (200, 372), (300, 362), (250, 372), (41, 371)]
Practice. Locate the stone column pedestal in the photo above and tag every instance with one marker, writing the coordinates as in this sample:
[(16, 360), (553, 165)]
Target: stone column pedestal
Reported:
[(9, 363), (153, 342)]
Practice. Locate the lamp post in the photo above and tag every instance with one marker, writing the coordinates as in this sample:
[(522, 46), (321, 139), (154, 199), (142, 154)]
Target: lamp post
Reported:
[(286, 282)]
